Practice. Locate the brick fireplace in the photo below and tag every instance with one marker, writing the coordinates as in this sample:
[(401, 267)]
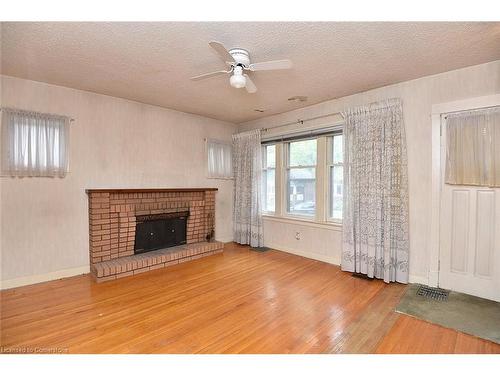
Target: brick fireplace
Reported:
[(113, 217)]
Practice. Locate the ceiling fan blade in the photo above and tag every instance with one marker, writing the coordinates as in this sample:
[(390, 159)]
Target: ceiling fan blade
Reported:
[(271, 65), (208, 75), (222, 52), (250, 86)]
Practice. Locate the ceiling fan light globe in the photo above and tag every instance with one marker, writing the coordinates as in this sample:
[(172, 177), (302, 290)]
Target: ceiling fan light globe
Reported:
[(238, 81)]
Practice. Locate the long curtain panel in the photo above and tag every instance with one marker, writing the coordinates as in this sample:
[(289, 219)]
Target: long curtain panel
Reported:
[(34, 144), (375, 215), (473, 148), (247, 208)]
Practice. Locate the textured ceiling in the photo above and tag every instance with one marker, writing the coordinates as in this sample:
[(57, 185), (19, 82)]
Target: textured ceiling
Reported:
[(152, 62)]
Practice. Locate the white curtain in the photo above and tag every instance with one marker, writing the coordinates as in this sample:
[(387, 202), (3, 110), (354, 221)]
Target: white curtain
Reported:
[(375, 214), (473, 148), (247, 210), (34, 144), (220, 164)]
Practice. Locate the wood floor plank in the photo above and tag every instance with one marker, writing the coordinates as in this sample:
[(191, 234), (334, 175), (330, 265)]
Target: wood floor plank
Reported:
[(240, 301), (414, 336)]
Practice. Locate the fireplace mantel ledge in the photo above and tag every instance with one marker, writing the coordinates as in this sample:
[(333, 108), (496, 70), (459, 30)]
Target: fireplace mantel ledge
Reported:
[(154, 190)]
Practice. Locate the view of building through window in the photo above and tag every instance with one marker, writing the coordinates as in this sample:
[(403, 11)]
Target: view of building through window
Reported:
[(301, 181)]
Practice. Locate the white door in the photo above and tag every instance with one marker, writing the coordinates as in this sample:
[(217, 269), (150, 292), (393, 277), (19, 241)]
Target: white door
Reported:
[(469, 251)]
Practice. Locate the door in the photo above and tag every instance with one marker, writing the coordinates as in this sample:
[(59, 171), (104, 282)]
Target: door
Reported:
[(469, 251)]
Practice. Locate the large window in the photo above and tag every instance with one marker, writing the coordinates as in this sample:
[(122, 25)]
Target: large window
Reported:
[(336, 177), (301, 177), (269, 178)]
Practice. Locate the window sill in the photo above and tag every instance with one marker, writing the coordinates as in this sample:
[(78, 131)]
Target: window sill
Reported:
[(303, 221), (2, 175)]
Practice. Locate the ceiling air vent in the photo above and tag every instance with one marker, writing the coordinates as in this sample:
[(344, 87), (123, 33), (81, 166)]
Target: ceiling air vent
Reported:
[(298, 99)]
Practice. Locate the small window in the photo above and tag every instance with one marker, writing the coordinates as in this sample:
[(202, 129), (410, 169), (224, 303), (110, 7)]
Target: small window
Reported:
[(268, 178), (336, 177), (220, 159), (34, 144), (473, 148), (301, 177)]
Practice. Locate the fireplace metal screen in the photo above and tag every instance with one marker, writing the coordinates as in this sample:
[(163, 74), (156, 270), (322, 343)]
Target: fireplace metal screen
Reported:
[(159, 231)]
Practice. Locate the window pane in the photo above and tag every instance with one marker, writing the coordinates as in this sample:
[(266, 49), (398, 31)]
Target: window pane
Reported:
[(338, 152), (219, 160), (270, 156), (35, 146), (336, 186), (268, 178), (268, 194), (302, 191), (302, 153)]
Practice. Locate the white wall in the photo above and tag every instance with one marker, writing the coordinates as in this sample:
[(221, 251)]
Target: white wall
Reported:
[(311, 240), (115, 143), (418, 97)]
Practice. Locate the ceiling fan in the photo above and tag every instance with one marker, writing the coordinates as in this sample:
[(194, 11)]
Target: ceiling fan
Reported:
[(238, 61)]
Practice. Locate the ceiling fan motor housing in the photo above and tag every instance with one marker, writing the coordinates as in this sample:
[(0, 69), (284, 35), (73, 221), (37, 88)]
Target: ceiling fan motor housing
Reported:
[(240, 56)]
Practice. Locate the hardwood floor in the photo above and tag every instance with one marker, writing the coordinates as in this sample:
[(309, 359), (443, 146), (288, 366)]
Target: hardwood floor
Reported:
[(236, 302)]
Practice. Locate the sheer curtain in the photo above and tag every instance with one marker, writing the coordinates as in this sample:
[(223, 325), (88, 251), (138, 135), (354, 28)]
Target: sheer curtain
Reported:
[(473, 148), (247, 209), (375, 214), (34, 144), (220, 164)]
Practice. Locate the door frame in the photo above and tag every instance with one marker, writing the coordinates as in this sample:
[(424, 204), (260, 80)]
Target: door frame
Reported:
[(437, 114)]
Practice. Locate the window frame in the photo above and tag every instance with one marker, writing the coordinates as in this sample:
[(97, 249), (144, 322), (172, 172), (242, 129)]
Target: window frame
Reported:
[(281, 142), (265, 168), (330, 166), (12, 166), (209, 141)]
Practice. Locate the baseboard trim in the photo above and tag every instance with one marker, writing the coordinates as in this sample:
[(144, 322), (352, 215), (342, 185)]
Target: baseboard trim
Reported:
[(35, 279), (224, 239), (413, 279), (416, 279), (322, 258)]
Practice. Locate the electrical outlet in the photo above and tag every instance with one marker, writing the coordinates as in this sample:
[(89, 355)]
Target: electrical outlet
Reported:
[(297, 235)]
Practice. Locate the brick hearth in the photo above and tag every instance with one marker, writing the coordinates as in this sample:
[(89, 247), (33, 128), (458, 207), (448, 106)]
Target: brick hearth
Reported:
[(132, 265), (112, 223)]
